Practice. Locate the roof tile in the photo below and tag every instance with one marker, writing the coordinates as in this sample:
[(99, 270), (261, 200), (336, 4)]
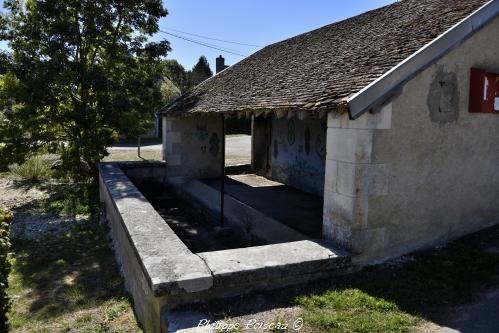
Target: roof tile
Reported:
[(317, 70)]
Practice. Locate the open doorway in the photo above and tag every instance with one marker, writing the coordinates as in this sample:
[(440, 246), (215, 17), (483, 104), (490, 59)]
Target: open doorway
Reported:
[(276, 169), (237, 142)]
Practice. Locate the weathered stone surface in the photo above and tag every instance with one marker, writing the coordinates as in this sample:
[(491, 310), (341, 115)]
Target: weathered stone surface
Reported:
[(362, 179), (238, 214), (192, 146), (443, 97), (331, 176), (349, 145), (273, 261), (161, 273), (153, 240)]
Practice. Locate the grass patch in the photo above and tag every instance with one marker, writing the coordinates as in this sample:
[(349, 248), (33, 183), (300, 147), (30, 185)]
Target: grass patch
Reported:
[(69, 282), (34, 169), (395, 296), (352, 310), (131, 155)]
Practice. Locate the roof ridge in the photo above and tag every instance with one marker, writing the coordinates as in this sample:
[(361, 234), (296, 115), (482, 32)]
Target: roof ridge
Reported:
[(330, 63)]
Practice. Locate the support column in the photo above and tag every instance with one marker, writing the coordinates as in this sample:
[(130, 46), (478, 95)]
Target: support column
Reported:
[(351, 179), (222, 178), (260, 143), (192, 146)]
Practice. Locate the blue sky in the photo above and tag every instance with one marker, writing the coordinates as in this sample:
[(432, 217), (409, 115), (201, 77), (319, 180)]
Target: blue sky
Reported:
[(258, 22)]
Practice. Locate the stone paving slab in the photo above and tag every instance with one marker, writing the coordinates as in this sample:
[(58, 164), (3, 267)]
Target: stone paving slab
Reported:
[(293, 257)]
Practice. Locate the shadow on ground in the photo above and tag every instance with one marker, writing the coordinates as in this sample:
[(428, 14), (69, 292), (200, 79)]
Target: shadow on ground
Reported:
[(429, 285), (68, 272), (76, 270), (69, 279)]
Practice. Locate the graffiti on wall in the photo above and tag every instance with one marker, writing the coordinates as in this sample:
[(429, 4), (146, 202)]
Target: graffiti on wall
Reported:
[(298, 151), (320, 144), (301, 174), (208, 142)]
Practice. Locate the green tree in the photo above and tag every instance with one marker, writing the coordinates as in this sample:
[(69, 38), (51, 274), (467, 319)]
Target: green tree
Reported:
[(80, 72), (169, 91), (201, 71), (177, 74)]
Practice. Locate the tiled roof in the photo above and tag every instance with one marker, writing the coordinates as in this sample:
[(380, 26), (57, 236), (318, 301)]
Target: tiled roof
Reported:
[(317, 70)]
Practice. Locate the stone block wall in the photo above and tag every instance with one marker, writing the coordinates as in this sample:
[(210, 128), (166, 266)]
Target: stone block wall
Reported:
[(192, 146), (352, 179), (421, 171)]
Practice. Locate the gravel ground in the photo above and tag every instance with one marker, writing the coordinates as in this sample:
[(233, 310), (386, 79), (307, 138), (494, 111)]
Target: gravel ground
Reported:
[(29, 227), (16, 195), (28, 224), (64, 277)]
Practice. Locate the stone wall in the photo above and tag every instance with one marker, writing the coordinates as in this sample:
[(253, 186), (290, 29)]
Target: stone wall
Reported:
[(192, 146), (352, 179), (443, 160), (297, 153), (246, 221), (161, 273), (423, 170)]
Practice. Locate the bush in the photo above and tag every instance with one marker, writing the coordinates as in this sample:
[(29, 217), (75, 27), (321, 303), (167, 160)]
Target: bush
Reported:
[(34, 169), (5, 219)]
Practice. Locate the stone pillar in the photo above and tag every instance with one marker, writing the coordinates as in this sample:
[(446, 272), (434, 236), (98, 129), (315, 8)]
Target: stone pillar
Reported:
[(260, 143), (192, 146), (351, 180)]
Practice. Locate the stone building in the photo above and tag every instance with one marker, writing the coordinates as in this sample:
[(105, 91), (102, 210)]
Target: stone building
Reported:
[(374, 118)]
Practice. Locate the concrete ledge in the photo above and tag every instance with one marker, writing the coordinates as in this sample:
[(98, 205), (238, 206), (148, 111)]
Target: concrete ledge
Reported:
[(152, 239), (141, 171), (239, 215), (161, 273), (272, 264)]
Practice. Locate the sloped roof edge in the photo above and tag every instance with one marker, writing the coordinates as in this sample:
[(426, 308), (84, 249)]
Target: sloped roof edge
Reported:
[(376, 93)]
